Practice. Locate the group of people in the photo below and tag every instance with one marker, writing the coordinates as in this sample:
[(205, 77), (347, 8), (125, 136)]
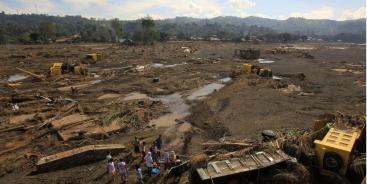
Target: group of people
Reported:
[(151, 158), (154, 156)]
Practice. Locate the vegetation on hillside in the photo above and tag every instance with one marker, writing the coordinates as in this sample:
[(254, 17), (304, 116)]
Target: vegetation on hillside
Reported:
[(32, 28)]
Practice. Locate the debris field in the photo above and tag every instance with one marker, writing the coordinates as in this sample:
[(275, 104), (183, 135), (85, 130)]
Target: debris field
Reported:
[(192, 93)]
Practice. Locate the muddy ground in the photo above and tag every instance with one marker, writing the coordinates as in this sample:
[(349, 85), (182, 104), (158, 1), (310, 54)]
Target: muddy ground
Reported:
[(120, 99)]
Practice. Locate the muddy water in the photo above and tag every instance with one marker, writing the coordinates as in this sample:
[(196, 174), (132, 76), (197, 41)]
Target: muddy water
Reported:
[(208, 89), (277, 77), (205, 91), (177, 107)]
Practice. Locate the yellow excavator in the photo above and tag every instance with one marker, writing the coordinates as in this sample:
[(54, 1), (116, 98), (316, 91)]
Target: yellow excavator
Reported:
[(58, 69)]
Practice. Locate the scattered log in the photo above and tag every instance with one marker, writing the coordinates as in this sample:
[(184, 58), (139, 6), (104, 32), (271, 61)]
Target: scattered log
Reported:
[(40, 77)]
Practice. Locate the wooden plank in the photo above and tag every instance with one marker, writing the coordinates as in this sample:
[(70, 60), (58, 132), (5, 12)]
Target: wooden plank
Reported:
[(68, 120)]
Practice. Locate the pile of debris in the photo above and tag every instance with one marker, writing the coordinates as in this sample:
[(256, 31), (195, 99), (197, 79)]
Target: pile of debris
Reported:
[(134, 113), (247, 53)]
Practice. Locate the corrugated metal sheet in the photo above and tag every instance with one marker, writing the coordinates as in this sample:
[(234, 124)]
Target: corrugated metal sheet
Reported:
[(247, 163)]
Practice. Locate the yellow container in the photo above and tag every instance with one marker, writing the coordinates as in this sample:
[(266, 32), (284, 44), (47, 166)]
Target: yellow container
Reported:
[(56, 69), (334, 151), (247, 68)]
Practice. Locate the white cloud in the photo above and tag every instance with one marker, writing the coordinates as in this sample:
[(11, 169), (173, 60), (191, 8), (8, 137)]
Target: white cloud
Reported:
[(29, 6), (198, 8), (354, 14), (160, 9), (322, 13), (239, 6)]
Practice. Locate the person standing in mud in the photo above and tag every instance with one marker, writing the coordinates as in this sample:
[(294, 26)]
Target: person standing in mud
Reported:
[(143, 150), (158, 142), (111, 169), (122, 168), (139, 174), (166, 159), (136, 144), (149, 162)]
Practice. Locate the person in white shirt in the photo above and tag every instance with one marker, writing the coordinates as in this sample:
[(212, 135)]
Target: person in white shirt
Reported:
[(122, 168), (111, 169), (149, 162)]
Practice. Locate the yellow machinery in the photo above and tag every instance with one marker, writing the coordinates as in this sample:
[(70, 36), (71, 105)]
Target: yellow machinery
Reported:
[(95, 57), (265, 72), (58, 69), (334, 150), (247, 68)]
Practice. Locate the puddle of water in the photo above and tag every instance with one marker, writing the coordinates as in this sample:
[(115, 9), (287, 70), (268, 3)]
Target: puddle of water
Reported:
[(225, 80), (177, 107), (17, 77), (265, 61), (205, 91), (95, 81), (208, 89), (175, 104), (134, 96), (277, 78)]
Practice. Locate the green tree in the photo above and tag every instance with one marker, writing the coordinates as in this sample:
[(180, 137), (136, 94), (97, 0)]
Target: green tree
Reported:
[(34, 37), (117, 27), (148, 30), (147, 23), (24, 37), (47, 30)]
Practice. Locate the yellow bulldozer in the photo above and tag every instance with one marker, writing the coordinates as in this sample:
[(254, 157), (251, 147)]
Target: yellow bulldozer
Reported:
[(58, 69), (263, 72), (92, 58)]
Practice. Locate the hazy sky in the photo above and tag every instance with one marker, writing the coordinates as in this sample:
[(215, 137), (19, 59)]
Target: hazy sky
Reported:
[(158, 9)]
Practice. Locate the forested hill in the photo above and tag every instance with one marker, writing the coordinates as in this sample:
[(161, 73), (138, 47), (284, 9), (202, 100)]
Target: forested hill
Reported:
[(18, 28)]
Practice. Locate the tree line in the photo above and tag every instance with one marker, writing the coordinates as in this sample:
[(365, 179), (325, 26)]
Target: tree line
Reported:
[(32, 28)]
